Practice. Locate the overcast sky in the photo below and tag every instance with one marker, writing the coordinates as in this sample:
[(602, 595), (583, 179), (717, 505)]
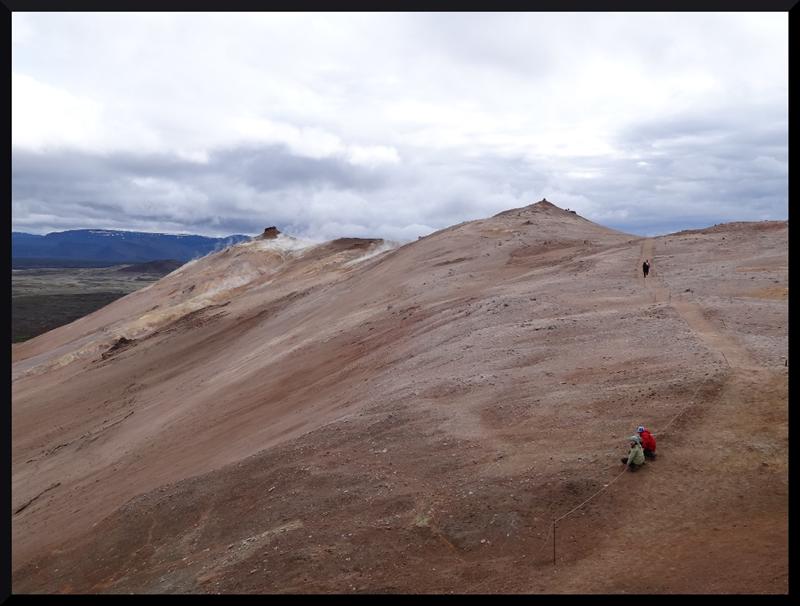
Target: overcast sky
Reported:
[(395, 125)]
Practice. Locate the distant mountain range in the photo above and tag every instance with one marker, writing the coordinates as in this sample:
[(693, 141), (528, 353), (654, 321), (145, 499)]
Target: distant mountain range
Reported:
[(103, 247)]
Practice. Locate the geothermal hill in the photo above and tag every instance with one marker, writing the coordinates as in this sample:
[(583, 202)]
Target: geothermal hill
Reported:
[(352, 417)]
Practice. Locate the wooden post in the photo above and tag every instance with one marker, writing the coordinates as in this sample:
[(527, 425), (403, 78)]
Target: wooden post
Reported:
[(554, 542)]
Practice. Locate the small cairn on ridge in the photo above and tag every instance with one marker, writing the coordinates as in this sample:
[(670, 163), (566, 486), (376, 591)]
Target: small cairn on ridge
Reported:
[(270, 233)]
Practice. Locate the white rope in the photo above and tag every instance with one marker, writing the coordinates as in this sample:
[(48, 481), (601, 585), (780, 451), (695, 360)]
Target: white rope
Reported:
[(661, 433), (577, 507)]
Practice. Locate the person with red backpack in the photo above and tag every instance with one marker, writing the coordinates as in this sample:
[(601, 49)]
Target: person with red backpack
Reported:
[(648, 442)]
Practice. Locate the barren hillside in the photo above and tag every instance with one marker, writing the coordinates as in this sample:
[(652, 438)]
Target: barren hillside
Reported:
[(352, 417)]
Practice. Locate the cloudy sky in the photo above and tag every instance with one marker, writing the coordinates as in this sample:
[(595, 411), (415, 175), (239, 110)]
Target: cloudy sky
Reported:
[(395, 125)]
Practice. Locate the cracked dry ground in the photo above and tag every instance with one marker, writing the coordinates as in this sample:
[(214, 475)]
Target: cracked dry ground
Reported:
[(513, 409)]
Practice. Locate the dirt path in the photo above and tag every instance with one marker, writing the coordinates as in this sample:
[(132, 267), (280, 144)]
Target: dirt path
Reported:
[(735, 356), (692, 313)]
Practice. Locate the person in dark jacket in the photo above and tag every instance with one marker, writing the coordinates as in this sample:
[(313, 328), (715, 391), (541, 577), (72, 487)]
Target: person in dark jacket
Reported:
[(635, 458), (646, 267), (648, 442)]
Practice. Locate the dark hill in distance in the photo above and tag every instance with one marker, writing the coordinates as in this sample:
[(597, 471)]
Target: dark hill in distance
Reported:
[(90, 247)]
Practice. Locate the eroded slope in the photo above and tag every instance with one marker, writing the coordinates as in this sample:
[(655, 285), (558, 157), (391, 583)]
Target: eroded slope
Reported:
[(413, 421)]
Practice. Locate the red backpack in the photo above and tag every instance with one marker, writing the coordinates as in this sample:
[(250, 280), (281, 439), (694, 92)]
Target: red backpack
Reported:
[(648, 441)]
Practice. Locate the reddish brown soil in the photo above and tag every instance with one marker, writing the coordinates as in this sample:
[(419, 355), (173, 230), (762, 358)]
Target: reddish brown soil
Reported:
[(302, 421)]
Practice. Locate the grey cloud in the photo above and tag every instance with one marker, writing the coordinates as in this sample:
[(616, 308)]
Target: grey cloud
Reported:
[(700, 169), (82, 186), (241, 190), (489, 41), (244, 189), (477, 86), (269, 168)]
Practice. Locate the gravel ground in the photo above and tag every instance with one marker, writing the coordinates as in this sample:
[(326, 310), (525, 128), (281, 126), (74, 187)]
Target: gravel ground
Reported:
[(413, 422)]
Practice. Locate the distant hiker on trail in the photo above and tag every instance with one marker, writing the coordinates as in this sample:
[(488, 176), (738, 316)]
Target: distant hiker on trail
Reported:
[(646, 267), (635, 458), (648, 442)]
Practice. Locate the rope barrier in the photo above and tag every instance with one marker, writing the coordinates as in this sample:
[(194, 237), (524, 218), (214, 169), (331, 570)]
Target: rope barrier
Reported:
[(555, 521), (691, 402), (552, 527), (577, 507), (682, 410), (604, 488), (544, 544), (661, 433)]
